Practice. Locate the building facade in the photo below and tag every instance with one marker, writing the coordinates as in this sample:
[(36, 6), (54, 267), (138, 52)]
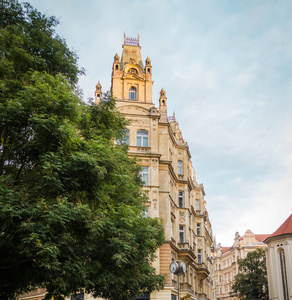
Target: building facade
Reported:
[(279, 261), (226, 267), (169, 178)]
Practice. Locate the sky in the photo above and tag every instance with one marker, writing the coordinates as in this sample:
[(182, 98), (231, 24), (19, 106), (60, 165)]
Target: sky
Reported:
[(226, 68)]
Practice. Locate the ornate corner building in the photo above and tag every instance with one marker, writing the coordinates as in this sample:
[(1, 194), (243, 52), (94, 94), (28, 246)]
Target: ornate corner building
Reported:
[(168, 175), (169, 179)]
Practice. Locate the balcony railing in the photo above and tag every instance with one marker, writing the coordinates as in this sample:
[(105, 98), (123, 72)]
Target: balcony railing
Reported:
[(139, 149), (202, 296), (185, 287), (185, 246)]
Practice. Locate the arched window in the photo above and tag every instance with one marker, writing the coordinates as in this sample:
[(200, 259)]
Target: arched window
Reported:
[(133, 71), (142, 138), (125, 138), (132, 93), (284, 274)]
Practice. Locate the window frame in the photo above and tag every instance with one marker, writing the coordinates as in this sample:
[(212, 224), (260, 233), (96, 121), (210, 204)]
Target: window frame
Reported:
[(145, 172), (198, 206), (126, 138), (182, 236), (142, 140), (199, 229), (180, 199), (200, 256), (180, 169), (132, 93)]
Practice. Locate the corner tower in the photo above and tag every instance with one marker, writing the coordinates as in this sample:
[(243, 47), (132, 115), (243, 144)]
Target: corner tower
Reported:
[(130, 79)]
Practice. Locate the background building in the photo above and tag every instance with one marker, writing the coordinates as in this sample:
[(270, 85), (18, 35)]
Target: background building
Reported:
[(279, 261), (226, 266)]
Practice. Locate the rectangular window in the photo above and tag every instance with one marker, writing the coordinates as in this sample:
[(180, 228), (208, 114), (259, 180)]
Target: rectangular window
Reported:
[(77, 296), (181, 233), (144, 296), (181, 199), (199, 256), (197, 204), (145, 175), (173, 297), (199, 229), (180, 167)]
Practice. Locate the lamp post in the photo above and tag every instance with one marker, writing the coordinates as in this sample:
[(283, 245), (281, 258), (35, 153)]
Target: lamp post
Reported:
[(178, 268)]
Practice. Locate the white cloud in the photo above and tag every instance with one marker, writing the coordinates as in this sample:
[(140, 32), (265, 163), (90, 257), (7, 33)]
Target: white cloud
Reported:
[(226, 69)]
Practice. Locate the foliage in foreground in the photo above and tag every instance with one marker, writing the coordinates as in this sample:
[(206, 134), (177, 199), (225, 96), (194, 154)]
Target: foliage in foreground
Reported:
[(71, 207), (251, 283)]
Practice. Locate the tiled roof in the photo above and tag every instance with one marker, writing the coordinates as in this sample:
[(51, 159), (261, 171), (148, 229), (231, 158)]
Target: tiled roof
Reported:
[(225, 249), (285, 228), (261, 237)]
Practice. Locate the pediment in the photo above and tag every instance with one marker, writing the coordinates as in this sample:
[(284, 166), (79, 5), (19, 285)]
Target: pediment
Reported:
[(133, 109)]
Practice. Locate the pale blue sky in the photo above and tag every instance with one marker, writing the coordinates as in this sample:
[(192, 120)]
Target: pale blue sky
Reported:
[(226, 70)]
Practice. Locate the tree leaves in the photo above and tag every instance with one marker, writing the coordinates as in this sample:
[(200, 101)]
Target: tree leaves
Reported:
[(71, 205), (251, 281)]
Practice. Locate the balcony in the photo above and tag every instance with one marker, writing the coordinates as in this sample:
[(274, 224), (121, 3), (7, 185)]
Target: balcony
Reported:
[(186, 250), (202, 296), (185, 246), (186, 288), (203, 269), (138, 149), (174, 283)]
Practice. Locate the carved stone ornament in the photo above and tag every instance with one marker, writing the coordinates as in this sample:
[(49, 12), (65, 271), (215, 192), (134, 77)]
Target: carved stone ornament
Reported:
[(154, 111), (154, 164), (182, 217), (155, 204), (140, 122), (132, 60)]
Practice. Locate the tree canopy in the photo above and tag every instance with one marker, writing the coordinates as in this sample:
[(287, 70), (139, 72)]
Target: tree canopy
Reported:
[(251, 282), (72, 214)]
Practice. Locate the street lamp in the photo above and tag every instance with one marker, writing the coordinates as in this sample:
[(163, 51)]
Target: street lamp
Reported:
[(178, 268)]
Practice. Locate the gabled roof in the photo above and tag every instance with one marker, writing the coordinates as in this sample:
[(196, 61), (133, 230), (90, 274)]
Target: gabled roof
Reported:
[(285, 228)]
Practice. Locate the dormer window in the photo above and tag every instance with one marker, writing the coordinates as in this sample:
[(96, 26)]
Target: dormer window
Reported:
[(132, 93)]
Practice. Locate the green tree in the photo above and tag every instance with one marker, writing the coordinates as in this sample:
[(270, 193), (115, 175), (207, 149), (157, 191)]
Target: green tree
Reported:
[(251, 281), (71, 205)]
